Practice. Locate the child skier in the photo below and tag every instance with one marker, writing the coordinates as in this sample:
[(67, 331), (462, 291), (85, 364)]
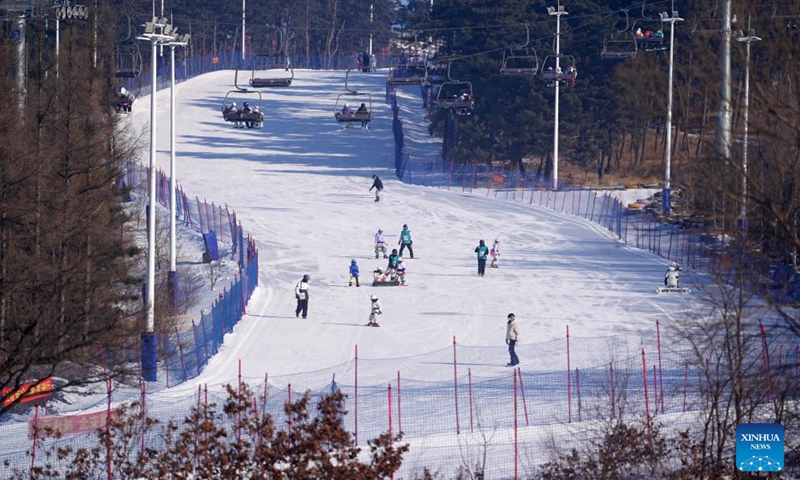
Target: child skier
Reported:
[(354, 273), (495, 252), (378, 275), (393, 259), (380, 244), (672, 276), (401, 271), (374, 312)]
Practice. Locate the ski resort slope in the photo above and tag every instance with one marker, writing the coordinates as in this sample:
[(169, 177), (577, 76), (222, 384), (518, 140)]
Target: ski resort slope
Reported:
[(300, 186)]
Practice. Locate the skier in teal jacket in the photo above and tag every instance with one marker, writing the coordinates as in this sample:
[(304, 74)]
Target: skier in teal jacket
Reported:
[(405, 241), (483, 253)]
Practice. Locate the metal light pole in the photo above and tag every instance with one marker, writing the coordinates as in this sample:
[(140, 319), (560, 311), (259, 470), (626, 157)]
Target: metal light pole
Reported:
[(666, 207), (172, 275), (723, 135), (156, 32), (747, 39), (370, 31), (243, 28), (557, 12)]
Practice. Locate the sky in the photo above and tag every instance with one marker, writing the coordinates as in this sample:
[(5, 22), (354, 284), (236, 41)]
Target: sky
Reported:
[(300, 187)]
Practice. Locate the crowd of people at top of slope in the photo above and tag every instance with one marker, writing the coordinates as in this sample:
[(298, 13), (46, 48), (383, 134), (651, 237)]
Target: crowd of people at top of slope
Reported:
[(396, 272)]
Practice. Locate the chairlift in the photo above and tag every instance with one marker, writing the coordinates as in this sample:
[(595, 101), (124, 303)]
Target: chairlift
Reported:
[(559, 68), (271, 63), (456, 96), (406, 72), (520, 64), (621, 46), (129, 60), (350, 116), (786, 11), (649, 34), (524, 63), (230, 115)]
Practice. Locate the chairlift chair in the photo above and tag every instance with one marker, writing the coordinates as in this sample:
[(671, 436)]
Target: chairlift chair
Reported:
[(565, 71), (264, 63), (456, 96), (129, 60), (520, 64), (619, 47), (255, 116), (649, 34), (408, 74), (354, 97)]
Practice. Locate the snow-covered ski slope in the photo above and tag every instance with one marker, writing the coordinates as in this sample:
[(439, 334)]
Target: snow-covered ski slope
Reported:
[(300, 187)]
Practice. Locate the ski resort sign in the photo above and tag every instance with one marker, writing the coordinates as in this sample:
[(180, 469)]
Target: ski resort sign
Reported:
[(28, 392)]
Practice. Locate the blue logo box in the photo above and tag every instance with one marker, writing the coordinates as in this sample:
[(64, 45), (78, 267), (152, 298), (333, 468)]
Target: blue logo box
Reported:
[(759, 447)]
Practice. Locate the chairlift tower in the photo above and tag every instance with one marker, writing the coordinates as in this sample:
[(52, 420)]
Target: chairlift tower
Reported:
[(747, 39), (557, 11), (172, 274), (64, 9), (723, 134), (666, 208), (158, 31)]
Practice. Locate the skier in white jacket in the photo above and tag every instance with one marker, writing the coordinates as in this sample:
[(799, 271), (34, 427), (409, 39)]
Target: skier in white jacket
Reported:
[(375, 310), (672, 276)]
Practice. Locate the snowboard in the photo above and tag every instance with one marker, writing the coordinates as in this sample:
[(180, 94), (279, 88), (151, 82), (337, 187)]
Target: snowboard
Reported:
[(673, 290), (388, 283)]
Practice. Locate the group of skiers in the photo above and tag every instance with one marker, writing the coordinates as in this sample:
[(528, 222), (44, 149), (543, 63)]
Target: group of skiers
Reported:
[(484, 252)]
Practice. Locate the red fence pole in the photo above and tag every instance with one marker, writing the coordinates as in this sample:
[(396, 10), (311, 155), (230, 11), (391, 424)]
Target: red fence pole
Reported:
[(569, 383), (399, 411), (516, 433), (646, 398), (613, 394), (660, 371), (469, 382), (455, 383), (524, 402), (355, 394), (578, 392)]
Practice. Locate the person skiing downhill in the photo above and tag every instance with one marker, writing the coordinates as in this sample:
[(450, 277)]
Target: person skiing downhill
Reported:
[(483, 251), (672, 276), (380, 244), (377, 184), (495, 253), (354, 276), (375, 310), (301, 294), (405, 241)]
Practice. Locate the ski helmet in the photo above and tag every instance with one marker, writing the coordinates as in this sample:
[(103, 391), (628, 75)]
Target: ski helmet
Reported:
[(405, 227), (353, 261), (374, 298), (245, 104), (306, 278), (233, 104), (511, 315), (673, 265), (346, 104), (380, 230)]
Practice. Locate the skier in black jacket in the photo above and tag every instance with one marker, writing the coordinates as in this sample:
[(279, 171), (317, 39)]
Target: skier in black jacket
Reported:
[(378, 186)]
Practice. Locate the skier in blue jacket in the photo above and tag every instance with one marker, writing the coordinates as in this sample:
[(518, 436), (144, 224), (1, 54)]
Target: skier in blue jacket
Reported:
[(354, 273), (483, 253)]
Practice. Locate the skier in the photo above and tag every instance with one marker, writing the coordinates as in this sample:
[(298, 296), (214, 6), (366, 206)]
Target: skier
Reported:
[(483, 251), (246, 111), (405, 241), (393, 259), (301, 294), (401, 271), (512, 337), (354, 273), (495, 252), (377, 184), (374, 311), (378, 275), (380, 244), (672, 276)]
